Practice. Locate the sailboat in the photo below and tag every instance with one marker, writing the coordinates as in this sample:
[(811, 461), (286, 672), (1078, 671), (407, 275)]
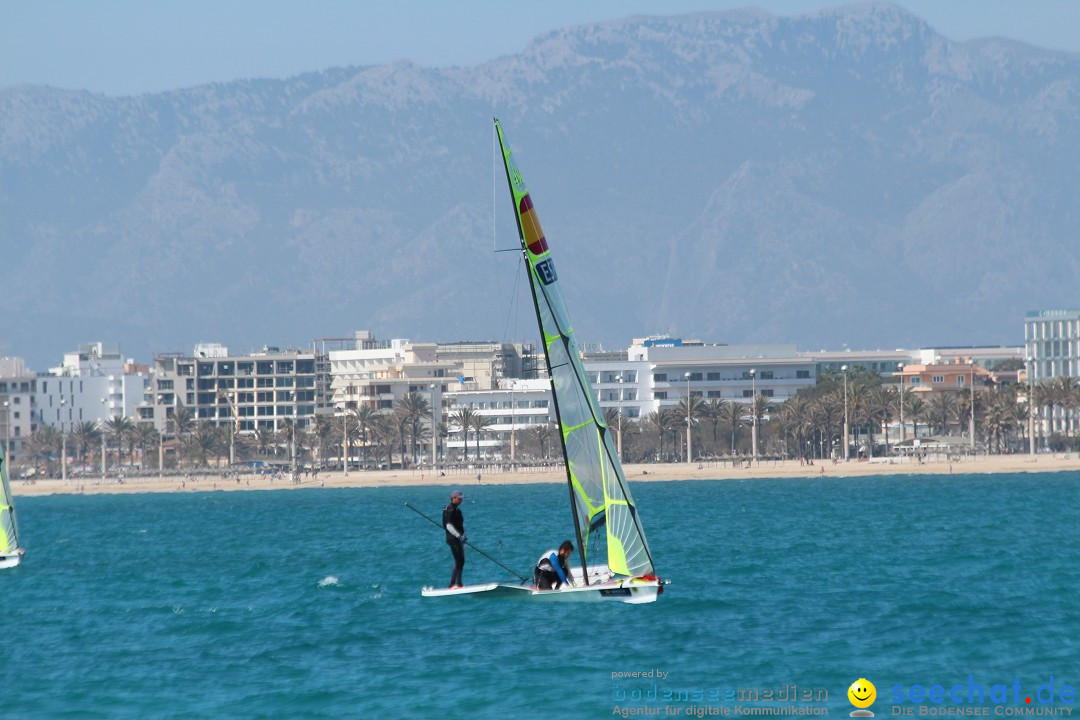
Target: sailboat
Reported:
[(10, 552), (606, 521)]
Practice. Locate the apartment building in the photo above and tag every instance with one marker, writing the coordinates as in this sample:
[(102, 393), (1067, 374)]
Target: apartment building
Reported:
[(95, 383), (253, 391), (1052, 343)]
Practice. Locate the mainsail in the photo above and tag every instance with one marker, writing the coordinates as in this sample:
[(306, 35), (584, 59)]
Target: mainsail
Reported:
[(9, 532), (601, 499)]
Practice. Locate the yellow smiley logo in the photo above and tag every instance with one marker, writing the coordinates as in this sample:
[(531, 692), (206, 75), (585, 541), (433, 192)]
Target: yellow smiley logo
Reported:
[(862, 693)]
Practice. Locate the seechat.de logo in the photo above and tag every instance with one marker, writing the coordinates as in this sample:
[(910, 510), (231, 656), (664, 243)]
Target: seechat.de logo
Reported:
[(862, 694)]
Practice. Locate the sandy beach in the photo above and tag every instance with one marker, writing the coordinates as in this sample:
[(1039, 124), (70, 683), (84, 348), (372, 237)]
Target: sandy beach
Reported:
[(211, 480)]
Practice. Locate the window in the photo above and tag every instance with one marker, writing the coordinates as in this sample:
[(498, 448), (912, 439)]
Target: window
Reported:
[(767, 393), (305, 366), (264, 382), (284, 367), (659, 395), (765, 375), (748, 393), (712, 376), (165, 384), (265, 368), (714, 394), (915, 381), (802, 374), (659, 377), (939, 379), (695, 377), (960, 381), (206, 368)]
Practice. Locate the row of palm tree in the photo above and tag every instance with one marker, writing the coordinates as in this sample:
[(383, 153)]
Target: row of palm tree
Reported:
[(810, 423)]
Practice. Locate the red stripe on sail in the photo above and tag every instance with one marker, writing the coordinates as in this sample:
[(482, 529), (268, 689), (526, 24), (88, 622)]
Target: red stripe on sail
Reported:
[(530, 226)]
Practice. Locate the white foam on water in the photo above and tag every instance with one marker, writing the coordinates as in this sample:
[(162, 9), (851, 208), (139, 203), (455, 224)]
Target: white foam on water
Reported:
[(329, 580)]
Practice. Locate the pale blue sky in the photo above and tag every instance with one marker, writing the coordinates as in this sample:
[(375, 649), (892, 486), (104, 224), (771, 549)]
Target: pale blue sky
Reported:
[(131, 46)]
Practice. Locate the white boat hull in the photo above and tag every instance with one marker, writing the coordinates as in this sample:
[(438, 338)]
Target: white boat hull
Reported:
[(628, 590), (10, 560)]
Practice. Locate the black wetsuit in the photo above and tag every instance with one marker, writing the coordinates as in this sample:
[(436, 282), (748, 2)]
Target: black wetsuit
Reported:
[(451, 515)]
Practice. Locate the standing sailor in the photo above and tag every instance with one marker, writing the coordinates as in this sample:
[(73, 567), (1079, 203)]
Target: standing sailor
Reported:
[(454, 524), (551, 570)]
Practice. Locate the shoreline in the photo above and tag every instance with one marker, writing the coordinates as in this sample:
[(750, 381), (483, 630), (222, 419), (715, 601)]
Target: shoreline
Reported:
[(209, 480)]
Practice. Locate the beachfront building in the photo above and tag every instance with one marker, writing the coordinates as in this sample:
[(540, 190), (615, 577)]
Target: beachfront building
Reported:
[(17, 397), (507, 415), (484, 365), (380, 373), (95, 383), (254, 391), (659, 372), (1052, 344), (1052, 359)]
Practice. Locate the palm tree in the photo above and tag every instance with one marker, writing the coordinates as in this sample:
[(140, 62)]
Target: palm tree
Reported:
[(873, 411), (734, 416), (265, 441), (796, 416), (325, 429), (414, 407), (713, 410), (688, 406), (85, 434), (44, 443), (143, 436), (383, 432), (940, 407), (363, 417), (183, 421), (479, 424), (463, 418), (204, 442), (117, 429), (826, 413), (916, 409), (542, 434), (759, 408)]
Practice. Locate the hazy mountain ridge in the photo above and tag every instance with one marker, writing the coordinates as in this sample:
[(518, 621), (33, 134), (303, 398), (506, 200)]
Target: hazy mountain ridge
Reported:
[(843, 177)]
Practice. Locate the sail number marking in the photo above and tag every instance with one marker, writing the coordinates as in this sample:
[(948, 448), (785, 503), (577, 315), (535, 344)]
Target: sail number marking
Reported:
[(545, 270)]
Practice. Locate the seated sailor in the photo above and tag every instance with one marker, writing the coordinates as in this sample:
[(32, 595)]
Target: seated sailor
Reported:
[(552, 570)]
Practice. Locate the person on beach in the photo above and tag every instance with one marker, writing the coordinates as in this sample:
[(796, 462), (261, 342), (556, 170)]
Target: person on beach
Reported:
[(551, 571), (454, 524)]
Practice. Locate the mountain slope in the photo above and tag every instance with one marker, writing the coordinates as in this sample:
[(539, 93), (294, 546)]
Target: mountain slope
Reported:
[(843, 177)]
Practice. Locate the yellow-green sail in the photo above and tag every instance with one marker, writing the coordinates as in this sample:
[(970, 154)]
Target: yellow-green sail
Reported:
[(602, 501), (9, 532)]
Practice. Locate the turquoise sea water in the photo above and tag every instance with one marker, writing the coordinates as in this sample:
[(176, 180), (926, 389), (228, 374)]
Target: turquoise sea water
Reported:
[(306, 604)]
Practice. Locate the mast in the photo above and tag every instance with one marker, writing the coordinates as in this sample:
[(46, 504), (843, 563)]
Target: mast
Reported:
[(547, 355)]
